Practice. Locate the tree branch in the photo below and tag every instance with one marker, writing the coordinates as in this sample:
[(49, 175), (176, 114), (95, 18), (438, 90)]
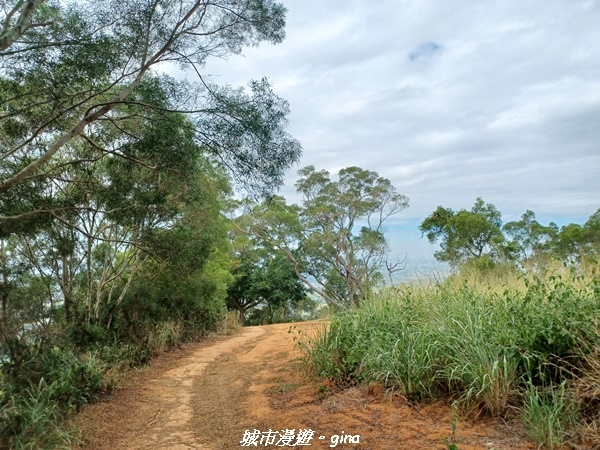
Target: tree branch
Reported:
[(9, 34)]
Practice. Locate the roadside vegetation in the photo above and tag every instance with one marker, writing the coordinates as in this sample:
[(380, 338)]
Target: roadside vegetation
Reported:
[(114, 179), (524, 346), (513, 331), (119, 237)]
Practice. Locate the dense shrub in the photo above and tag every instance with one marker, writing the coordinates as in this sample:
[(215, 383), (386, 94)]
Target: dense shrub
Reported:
[(40, 385), (43, 382), (488, 349)]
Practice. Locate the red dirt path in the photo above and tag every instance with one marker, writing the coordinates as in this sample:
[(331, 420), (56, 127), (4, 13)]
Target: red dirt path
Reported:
[(208, 395)]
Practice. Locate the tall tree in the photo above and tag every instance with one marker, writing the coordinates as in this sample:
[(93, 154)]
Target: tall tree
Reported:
[(18, 18), (335, 239), (263, 279), (527, 238), (111, 212), (465, 234), (575, 242), (83, 71)]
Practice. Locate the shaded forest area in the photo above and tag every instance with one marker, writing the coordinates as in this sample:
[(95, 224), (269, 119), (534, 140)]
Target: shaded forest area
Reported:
[(114, 177)]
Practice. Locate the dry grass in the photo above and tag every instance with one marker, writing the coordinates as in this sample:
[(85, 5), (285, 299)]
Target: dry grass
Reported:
[(229, 325), (587, 392)]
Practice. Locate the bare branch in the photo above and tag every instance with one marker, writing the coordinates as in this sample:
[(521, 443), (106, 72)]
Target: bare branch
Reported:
[(396, 266)]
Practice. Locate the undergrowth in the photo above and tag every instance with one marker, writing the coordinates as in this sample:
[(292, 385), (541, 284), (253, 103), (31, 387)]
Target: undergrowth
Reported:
[(492, 349), (43, 382)]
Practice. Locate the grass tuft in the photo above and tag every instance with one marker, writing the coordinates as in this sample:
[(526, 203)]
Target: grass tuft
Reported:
[(550, 415), (491, 347)]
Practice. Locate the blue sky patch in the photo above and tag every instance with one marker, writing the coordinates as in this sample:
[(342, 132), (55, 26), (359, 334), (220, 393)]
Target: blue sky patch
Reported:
[(424, 51)]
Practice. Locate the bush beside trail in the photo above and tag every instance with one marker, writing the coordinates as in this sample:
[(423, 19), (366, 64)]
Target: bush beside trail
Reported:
[(492, 350), (45, 382)]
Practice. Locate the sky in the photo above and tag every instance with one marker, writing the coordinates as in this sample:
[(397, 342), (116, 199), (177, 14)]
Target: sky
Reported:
[(450, 100)]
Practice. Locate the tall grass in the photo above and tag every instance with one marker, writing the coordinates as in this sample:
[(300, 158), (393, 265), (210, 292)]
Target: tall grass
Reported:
[(587, 393), (38, 390), (483, 343), (550, 414), (32, 419), (43, 383)]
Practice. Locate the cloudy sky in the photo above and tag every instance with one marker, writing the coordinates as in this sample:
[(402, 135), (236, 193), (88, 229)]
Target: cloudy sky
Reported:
[(450, 100)]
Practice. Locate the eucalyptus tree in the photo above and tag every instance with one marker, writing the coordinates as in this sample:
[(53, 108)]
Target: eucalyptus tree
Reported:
[(185, 274), (527, 239), (575, 243), (111, 211), (100, 149), (465, 235), (335, 239), (19, 17), (73, 72)]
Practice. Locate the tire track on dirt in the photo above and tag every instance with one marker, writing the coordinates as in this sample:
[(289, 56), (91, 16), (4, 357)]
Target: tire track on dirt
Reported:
[(207, 396), (157, 411)]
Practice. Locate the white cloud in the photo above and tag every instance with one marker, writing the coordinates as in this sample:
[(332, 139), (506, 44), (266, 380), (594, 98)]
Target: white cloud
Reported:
[(501, 99)]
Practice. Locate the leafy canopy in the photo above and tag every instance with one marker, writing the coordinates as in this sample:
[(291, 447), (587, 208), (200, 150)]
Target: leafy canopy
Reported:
[(478, 234), (335, 239), (90, 73), (465, 234)]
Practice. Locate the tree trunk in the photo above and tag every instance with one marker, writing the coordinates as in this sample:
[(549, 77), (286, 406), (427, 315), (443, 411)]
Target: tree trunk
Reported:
[(8, 36), (4, 291), (88, 299), (67, 288), (242, 315)]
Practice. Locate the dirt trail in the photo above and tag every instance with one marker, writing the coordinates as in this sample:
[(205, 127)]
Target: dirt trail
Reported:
[(207, 396)]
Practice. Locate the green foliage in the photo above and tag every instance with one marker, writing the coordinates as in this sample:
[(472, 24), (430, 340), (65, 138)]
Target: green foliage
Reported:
[(298, 311), (42, 384), (335, 240), (321, 350), (74, 379), (32, 420), (550, 415), (478, 237), (478, 346), (561, 316), (112, 182), (91, 73), (527, 238), (578, 243), (465, 234), (263, 277)]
